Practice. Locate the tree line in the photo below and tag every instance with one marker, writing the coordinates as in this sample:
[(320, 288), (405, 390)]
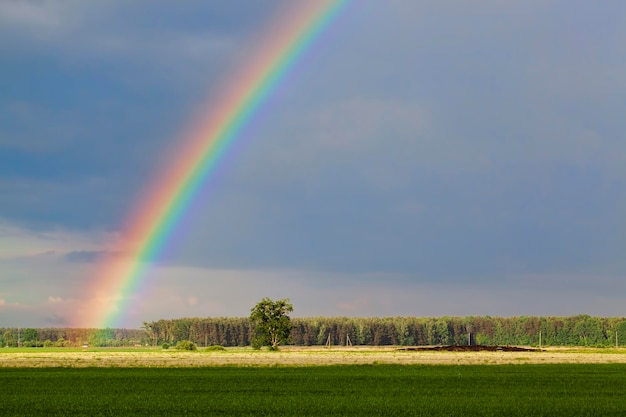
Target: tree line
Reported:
[(70, 337), (580, 330)]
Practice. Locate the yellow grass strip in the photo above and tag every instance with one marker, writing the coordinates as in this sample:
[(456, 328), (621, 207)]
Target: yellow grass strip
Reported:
[(299, 357)]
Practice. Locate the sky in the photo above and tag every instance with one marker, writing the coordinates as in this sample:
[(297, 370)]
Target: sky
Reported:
[(422, 158)]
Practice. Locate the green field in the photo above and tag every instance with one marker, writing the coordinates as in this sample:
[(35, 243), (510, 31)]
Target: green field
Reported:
[(511, 390)]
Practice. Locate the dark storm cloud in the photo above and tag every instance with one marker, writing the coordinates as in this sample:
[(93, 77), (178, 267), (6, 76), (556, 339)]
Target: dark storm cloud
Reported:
[(416, 143)]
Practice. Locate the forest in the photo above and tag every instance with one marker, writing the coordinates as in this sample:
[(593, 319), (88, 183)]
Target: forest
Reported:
[(580, 330)]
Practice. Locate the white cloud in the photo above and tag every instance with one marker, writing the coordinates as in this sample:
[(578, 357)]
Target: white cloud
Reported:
[(54, 300)]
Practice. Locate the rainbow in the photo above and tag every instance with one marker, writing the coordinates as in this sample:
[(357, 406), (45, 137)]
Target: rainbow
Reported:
[(120, 277)]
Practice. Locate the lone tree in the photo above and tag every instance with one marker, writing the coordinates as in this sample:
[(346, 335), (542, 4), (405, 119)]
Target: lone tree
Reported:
[(272, 322)]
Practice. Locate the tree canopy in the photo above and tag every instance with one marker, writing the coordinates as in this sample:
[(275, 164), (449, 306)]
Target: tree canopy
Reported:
[(273, 325)]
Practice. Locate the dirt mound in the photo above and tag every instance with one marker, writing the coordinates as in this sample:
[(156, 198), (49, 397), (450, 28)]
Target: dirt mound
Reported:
[(478, 348)]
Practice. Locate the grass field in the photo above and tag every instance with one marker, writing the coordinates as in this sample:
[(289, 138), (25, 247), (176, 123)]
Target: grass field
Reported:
[(312, 381), (386, 390)]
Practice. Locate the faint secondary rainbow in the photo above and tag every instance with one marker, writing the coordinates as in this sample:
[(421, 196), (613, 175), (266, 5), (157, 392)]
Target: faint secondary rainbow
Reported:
[(120, 277)]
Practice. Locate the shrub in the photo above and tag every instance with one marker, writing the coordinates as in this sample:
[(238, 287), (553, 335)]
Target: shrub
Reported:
[(257, 343), (185, 345), (165, 346)]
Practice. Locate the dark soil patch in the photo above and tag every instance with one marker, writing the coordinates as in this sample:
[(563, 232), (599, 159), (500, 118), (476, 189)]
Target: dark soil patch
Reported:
[(478, 348)]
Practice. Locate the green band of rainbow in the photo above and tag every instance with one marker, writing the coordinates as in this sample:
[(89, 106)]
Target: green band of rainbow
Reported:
[(159, 214)]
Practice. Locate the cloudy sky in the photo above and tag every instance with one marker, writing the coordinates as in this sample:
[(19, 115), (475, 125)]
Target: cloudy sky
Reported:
[(423, 158)]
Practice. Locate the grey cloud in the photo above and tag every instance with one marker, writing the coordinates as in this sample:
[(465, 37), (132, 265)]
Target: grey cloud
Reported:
[(84, 256), (57, 320), (42, 17), (24, 124), (151, 43), (433, 143)]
